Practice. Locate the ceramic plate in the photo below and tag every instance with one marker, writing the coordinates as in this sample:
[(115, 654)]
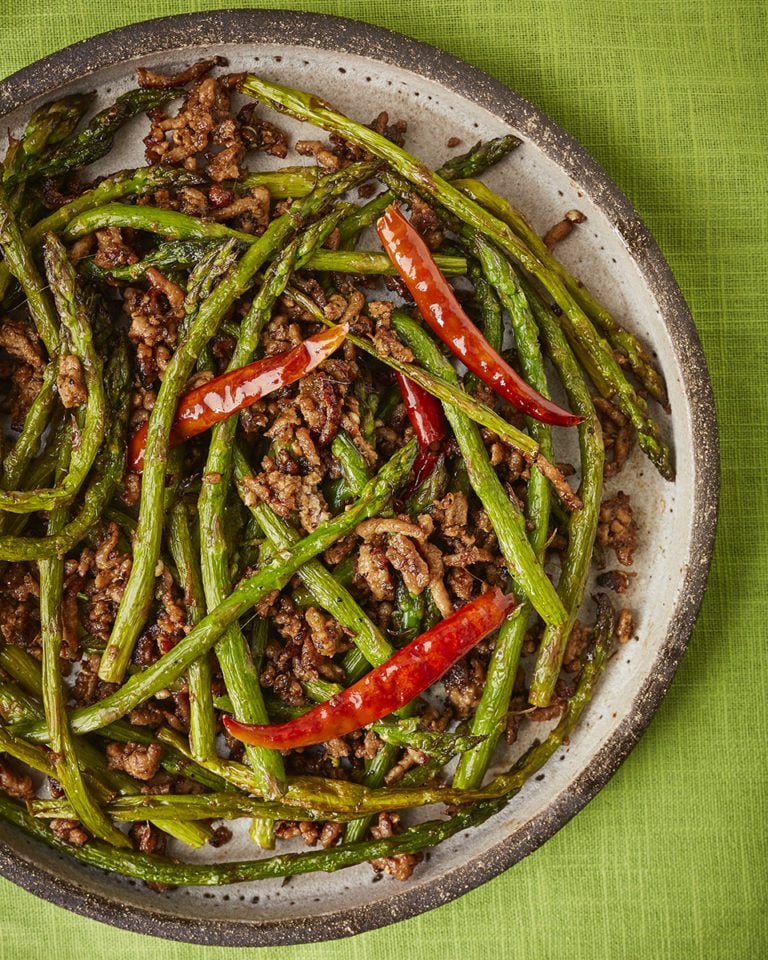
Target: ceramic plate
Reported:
[(364, 69)]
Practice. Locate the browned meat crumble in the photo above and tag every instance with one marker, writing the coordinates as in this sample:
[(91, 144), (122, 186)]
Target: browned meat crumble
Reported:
[(163, 81), (617, 528), (141, 761), (625, 625), (19, 607), (14, 783), (70, 382), (112, 250), (616, 580), (69, 831), (401, 866), (24, 370), (147, 838), (618, 435)]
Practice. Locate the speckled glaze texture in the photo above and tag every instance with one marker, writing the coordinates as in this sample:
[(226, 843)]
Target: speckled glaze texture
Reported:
[(648, 293)]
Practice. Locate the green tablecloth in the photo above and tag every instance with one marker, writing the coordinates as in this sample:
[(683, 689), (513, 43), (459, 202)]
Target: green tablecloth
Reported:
[(670, 859)]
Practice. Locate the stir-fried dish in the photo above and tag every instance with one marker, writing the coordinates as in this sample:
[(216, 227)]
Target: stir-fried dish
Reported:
[(285, 534)]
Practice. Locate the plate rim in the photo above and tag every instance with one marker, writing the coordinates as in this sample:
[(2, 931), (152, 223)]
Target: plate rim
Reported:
[(348, 36)]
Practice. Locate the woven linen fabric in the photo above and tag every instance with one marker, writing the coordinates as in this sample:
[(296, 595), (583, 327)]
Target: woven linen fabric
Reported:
[(670, 859)]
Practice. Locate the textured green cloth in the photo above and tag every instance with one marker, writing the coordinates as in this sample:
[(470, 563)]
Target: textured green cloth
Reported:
[(670, 859)]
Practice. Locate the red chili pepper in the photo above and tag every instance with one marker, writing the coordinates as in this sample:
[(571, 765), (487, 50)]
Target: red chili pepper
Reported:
[(222, 396), (386, 688), (438, 305), (423, 465), (424, 412)]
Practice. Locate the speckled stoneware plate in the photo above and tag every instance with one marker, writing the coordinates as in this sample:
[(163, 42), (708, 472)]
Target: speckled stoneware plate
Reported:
[(363, 69)]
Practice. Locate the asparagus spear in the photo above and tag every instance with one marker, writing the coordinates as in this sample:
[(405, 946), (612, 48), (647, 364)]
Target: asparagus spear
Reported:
[(68, 773), (16, 705), (125, 183), (24, 669), (40, 473), (341, 798), (304, 106), (202, 722), (582, 527), (157, 869), (38, 758), (183, 808), (69, 300), (169, 255), (441, 745), (355, 472), (48, 126), (179, 226), (492, 316), (20, 263), (408, 613), (95, 141), (488, 720), (290, 182), (432, 488), (366, 262), (477, 160), (107, 473), (167, 223)]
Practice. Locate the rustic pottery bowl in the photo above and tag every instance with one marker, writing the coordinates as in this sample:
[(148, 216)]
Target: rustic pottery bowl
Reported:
[(364, 69)]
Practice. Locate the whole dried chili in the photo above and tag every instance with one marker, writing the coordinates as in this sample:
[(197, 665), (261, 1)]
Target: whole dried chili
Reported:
[(385, 689), (425, 413), (222, 396), (428, 421), (441, 310)]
